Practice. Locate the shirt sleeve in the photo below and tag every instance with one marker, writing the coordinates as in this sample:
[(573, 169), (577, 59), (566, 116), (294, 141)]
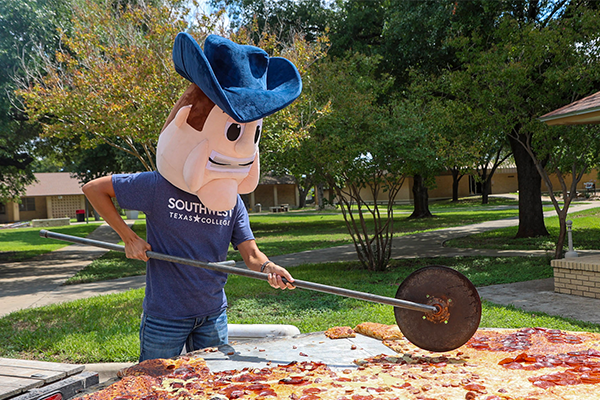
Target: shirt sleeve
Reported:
[(241, 225), (135, 191)]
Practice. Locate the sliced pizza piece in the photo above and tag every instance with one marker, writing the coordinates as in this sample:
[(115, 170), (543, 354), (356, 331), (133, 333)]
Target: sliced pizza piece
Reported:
[(167, 366), (379, 331), (340, 332), (130, 387)]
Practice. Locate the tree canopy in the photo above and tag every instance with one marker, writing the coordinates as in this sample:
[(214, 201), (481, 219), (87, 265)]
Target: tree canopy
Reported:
[(111, 81), (25, 27)]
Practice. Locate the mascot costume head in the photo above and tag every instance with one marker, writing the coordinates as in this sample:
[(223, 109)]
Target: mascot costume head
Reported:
[(209, 143)]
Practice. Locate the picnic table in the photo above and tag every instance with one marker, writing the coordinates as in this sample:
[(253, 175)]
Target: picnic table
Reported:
[(280, 208), (28, 379)]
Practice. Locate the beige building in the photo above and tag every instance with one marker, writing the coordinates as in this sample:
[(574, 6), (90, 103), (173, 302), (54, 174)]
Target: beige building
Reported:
[(54, 195), (505, 180), (274, 191), (58, 195)]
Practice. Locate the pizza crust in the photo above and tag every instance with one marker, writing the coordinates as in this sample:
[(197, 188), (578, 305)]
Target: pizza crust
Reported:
[(162, 367), (525, 364), (379, 331), (340, 332)]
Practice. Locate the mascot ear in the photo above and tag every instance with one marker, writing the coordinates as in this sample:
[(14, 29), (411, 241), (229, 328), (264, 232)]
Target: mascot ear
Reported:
[(182, 115)]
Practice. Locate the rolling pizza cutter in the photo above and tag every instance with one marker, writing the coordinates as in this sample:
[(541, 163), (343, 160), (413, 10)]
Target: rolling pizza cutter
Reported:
[(436, 308)]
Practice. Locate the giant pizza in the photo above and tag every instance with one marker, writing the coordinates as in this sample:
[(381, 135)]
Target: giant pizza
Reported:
[(523, 364)]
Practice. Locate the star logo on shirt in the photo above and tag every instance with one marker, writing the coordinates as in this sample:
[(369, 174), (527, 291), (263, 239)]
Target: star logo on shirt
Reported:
[(196, 219)]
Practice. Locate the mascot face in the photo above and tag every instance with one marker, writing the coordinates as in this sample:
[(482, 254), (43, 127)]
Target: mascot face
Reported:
[(209, 144), (204, 151)]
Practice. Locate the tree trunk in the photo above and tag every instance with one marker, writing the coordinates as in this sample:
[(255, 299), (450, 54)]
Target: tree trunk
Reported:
[(302, 200), (531, 214), (421, 198), (562, 219), (560, 243), (486, 189), (320, 196), (456, 177), (303, 192)]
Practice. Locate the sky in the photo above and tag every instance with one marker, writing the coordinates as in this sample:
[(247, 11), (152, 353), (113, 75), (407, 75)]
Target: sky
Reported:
[(204, 7)]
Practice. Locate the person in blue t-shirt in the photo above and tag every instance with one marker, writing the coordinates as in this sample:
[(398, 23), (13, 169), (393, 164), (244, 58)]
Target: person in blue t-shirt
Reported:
[(183, 305), (207, 155)]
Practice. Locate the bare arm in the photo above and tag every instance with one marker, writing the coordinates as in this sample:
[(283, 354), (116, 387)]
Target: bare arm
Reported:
[(100, 192), (254, 259)]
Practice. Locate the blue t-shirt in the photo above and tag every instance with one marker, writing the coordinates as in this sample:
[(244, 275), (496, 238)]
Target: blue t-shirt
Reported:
[(178, 224)]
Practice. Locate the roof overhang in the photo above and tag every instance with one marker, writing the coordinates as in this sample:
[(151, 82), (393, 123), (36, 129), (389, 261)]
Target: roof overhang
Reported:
[(574, 118), (584, 111)]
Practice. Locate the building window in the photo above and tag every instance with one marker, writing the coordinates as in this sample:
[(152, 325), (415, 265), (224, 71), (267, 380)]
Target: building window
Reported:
[(27, 204), (2, 209)]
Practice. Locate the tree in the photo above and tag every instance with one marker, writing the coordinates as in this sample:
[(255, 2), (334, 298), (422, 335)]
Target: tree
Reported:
[(66, 155), (114, 83), (507, 73), (365, 149), (455, 136), (353, 25), (423, 162), (286, 134), (15, 161), (282, 17), (288, 126), (357, 28), (488, 166), (415, 44), (28, 29), (113, 80), (566, 151), (348, 154), (24, 26)]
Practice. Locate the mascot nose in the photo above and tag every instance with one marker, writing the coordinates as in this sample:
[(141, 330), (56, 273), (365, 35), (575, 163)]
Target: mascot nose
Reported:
[(245, 146)]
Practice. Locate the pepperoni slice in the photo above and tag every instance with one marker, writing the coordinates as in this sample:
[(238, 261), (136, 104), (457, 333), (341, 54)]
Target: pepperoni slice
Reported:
[(294, 380), (475, 387)]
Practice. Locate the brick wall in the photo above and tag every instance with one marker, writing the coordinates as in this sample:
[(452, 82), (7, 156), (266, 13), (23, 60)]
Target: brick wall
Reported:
[(578, 276)]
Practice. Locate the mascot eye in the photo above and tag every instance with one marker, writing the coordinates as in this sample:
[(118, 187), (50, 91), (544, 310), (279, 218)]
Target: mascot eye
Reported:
[(233, 132), (257, 134)]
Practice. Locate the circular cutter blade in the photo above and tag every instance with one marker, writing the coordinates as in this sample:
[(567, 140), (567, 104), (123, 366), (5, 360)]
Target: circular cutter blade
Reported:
[(458, 303)]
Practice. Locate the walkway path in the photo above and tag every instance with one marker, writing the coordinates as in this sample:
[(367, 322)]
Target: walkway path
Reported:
[(39, 281), (427, 244)]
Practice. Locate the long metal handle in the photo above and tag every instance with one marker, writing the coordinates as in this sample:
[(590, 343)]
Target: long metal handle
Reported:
[(229, 268)]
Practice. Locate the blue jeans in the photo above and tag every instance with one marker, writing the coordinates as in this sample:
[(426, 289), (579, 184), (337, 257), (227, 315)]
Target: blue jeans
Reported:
[(164, 338)]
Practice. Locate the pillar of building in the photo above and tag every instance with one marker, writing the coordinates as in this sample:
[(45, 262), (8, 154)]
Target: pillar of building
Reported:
[(49, 211), (297, 195), (12, 211)]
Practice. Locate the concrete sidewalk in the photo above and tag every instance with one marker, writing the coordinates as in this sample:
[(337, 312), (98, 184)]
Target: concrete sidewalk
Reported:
[(39, 281), (428, 244)]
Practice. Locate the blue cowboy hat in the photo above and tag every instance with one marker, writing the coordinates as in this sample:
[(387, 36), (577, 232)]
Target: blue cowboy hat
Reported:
[(242, 80)]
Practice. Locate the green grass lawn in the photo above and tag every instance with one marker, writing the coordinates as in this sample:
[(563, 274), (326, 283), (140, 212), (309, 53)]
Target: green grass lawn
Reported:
[(105, 328), (112, 265), (23, 243), (585, 233), (285, 233)]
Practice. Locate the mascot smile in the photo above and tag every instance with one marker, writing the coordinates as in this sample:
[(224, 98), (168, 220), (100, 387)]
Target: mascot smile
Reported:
[(209, 144)]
